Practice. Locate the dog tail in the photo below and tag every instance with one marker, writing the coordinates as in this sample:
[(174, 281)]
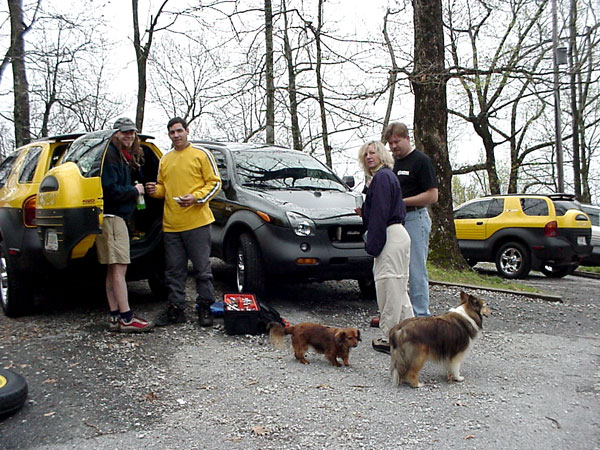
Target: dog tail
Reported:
[(277, 334), (401, 355)]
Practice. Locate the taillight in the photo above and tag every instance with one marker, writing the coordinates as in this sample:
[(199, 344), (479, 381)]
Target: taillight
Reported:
[(551, 229), (29, 211)]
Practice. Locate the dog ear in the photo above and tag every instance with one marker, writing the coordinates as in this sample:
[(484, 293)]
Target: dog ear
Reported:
[(464, 297), (358, 335), (340, 336)]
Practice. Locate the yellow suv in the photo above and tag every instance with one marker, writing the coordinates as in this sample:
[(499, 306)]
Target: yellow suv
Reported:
[(548, 233), (21, 259), (50, 215)]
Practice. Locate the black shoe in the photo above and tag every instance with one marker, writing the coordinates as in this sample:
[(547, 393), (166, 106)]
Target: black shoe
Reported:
[(381, 346), (205, 318), (171, 316)]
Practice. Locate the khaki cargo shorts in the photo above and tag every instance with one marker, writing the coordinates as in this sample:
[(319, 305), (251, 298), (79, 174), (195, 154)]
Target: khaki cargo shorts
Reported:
[(113, 244)]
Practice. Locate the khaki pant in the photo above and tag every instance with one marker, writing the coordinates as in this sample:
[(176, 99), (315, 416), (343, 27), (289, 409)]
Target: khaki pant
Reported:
[(113, 244), (390, 270)]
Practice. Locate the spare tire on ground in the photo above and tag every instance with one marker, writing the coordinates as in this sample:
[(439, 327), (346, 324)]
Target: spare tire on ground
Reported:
[(13, 392)]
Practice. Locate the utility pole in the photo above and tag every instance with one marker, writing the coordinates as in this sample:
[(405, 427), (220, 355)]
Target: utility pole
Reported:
[(557, 122)]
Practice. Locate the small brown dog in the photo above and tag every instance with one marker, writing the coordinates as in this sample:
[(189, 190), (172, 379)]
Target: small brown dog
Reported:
[(445, 338), (333, 342)]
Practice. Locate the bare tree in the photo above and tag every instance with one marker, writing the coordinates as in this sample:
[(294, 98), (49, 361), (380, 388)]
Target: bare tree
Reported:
[(142, 53)]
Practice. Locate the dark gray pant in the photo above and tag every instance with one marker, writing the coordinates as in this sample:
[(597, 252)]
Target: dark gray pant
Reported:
[(193, 245)]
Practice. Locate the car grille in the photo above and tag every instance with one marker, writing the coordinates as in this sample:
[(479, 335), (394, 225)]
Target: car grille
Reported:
[(345, 233)]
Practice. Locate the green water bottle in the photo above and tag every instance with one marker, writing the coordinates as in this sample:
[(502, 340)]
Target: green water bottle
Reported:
[(141, 203)]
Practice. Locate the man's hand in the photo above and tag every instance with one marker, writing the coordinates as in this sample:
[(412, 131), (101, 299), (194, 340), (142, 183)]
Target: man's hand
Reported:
[(151, 188), (186, 200)]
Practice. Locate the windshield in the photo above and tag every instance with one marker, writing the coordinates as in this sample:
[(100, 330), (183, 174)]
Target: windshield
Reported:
[(280, 169)]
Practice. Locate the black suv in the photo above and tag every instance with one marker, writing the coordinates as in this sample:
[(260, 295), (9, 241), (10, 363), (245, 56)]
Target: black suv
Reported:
[(282, 213)]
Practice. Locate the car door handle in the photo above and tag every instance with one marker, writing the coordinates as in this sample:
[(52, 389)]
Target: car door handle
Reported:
[(479, 223)]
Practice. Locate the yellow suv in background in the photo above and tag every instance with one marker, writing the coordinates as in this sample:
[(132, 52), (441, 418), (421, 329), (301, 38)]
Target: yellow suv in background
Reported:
[(21, 259), (548, 233), (51, 210)]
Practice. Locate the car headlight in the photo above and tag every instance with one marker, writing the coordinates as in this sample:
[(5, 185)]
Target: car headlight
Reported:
[(301, 225)]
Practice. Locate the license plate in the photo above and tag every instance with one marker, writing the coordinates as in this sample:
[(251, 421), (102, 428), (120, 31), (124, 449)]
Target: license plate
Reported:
[(581, 240), (51, 241)]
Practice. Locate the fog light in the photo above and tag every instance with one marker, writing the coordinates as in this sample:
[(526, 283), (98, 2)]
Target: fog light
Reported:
[(304, 247), (307, 261)]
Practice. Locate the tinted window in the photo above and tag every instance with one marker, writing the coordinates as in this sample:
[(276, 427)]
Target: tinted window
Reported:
[(221, 164), (562, 206), (475, 210), (594, 215), (5, 168), (273, 168), (534, 206), (30, 164), (496, 207)]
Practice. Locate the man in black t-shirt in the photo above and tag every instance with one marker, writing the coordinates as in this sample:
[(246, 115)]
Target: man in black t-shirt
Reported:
[(419, 185)]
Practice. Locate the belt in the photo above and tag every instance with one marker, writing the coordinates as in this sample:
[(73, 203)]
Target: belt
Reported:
[(413, 208)]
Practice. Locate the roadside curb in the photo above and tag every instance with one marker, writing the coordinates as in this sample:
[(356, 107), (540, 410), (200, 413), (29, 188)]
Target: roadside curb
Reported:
[(579, 273), (547, 297)]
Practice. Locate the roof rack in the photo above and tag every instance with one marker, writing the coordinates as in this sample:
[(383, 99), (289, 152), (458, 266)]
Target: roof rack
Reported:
[(60, 137)]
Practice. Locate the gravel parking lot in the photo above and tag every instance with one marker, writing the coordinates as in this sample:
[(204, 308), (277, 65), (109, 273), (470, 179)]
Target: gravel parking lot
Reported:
[(532, 381)]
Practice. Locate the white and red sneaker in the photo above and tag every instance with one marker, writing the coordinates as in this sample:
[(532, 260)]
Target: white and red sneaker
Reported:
[(135, 325)]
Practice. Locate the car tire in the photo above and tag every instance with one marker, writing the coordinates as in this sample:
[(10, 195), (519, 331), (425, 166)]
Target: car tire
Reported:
[(16, 293), (13, 392), (556, 272), (249, 268), (513, 260), (367, 288)]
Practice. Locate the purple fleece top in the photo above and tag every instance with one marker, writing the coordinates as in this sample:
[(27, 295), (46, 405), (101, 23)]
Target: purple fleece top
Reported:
[(383, 207)]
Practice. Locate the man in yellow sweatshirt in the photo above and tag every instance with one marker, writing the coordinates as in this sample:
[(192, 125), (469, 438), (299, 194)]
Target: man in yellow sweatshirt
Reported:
[(188, 178)]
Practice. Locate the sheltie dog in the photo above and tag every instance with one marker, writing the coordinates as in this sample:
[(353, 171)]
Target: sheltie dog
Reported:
[(445, 339), (333, 342)]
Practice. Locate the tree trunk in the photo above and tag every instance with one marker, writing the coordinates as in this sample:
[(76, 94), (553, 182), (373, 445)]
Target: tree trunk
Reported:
[(429, 80), (269, 73), (392, 77), (141, 54), (292, 93), (20, 85), (141, 60), (325, 136), (573, 68)]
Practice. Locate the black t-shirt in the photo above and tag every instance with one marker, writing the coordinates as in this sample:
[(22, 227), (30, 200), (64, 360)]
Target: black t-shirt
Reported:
[(416, 173)]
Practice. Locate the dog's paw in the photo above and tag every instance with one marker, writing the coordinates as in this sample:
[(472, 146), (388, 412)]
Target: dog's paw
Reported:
[(458, 378)]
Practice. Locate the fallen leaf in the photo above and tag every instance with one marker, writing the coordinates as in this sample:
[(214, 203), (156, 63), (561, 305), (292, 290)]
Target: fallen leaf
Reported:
[(469, 436), (50, 380), (50, 414), (259, 430), (151, 396)]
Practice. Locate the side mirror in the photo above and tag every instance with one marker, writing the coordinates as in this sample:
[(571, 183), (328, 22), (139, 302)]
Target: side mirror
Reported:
[(349, 180)]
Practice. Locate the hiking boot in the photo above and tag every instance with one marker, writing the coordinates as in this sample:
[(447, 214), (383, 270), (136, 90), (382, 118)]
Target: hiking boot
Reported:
[(205, 318), (171, 316), (380, 345), (113, 323), (135, 325)]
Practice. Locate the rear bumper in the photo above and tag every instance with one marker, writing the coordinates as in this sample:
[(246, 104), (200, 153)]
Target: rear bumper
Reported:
[(71, 226), (559, 252)]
